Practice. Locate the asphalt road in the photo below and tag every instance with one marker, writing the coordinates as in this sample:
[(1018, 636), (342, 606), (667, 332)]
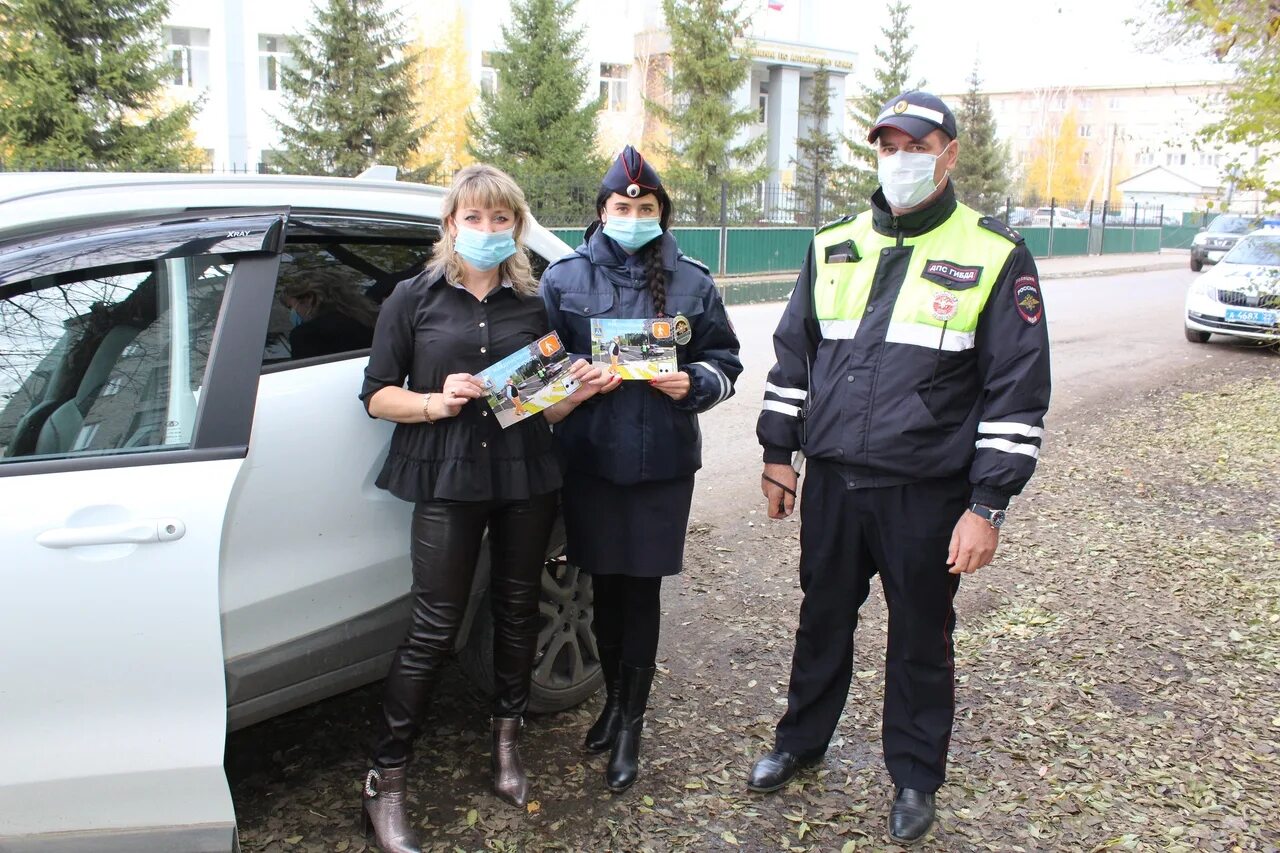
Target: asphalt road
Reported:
[(1111, 337)]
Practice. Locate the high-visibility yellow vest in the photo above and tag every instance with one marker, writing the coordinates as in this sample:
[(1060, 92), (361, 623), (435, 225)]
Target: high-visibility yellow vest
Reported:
[(951, 273)]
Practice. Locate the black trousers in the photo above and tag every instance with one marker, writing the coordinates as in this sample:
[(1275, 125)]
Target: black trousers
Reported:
[(445, 544), (847, 536)]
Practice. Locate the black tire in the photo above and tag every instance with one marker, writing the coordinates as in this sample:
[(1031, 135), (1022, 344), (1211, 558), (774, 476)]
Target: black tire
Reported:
[(1196, 264), (1196, 336), (566, 670)]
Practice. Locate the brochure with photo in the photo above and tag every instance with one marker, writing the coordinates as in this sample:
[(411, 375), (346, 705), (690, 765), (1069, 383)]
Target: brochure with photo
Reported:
[(635, 349), (528, 381)]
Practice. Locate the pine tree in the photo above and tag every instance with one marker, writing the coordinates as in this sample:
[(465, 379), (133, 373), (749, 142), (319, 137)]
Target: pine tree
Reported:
[(982, 171), (82, 86), (348, 95), (535, 125), (818, 166), (891, 80), (701, 118)]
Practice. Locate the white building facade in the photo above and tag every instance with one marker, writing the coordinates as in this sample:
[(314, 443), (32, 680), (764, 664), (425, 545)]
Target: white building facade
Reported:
[(1127, 132), (227, 53)]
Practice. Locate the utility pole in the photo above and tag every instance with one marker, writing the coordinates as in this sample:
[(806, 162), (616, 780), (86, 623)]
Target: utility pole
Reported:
[(1111, 159)]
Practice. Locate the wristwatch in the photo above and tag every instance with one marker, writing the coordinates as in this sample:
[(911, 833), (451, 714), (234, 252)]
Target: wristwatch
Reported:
[(994, 517)]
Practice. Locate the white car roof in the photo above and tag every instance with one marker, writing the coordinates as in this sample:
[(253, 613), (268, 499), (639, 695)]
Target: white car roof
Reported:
[(32, 202)]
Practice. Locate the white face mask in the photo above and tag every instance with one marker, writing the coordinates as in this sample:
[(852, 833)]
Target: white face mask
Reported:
[(907, 179)]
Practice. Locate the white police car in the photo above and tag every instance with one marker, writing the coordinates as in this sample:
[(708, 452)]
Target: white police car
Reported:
[(190, 533), (1240, 297)]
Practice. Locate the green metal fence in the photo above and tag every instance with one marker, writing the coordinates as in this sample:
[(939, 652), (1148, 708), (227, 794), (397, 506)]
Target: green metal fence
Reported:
[(765, 250), (769, 251)]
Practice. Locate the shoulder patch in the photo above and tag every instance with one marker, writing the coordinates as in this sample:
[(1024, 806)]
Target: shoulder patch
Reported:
[(697, 263), (842, 220), (995, 226), (1027, 299)]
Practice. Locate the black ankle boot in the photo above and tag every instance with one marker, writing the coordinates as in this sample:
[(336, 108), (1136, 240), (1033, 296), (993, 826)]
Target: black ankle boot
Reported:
[(604, 731), (624, 760)]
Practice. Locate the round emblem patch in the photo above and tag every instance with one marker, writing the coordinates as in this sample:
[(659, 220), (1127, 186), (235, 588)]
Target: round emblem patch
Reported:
[(944, 305), (633, 190), (684, 333), (900, 107)]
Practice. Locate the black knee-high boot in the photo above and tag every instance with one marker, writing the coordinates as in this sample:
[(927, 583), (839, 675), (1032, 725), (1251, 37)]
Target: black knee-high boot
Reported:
[(624, 760), (604, 731)]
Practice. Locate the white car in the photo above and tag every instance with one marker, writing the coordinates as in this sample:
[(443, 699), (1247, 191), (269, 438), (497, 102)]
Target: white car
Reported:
[(1240, 296), (190, 533)]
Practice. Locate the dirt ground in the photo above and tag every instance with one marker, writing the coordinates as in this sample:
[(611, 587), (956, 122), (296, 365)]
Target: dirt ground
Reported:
[(1118, 667)]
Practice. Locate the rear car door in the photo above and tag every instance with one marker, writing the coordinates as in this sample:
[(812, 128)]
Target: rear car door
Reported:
[(129, 360)]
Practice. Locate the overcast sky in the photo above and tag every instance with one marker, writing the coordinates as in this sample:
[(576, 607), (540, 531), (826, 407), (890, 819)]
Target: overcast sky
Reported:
[(1028, 43)]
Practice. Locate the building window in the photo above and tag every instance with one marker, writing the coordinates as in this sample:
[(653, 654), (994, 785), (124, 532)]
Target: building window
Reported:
[(1059, 103), (273, 55), (1025, 131), (1175, 159), (762, 104), (1086, 102), (1113, 103), (1084, 158), (488, 73), (613, 86), (1086, 131), (188, 57)]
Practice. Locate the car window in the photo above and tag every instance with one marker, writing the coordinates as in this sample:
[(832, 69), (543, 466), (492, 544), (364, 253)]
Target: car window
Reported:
[(1256, 250), (1224, 224), (107, 361), (335, 272)]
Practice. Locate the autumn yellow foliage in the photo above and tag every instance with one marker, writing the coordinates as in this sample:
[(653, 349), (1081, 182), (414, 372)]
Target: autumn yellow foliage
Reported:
[(1055, 171), (445, 94)]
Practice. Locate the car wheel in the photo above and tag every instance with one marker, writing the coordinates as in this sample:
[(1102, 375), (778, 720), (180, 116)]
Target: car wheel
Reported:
[(1196, 265), (566, 668), (1196, 336)]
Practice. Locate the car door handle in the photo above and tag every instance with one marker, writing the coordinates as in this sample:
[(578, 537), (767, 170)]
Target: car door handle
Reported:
[(129, 533)]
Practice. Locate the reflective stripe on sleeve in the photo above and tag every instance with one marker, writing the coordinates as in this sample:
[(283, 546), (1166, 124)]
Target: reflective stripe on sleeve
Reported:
[(1007, 446), (720, 377), (781, 408), (931, 337), (842, 330), (1010, 428), (788, 393)]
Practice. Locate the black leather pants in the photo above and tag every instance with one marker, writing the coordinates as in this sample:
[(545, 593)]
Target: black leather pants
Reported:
[(446, 539)]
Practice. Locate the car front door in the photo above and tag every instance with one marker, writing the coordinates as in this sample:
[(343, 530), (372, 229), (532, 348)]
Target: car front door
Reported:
[(129, 359)]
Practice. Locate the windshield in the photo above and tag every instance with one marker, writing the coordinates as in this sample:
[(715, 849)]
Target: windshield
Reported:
[(1264, 251), (1224, 224)]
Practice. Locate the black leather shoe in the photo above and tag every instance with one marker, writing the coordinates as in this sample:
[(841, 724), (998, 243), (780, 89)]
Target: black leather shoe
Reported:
[(911, 816), (777, 769)]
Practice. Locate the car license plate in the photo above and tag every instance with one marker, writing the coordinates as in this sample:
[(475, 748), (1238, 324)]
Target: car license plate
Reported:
[(1252, 316), (1214, 256)]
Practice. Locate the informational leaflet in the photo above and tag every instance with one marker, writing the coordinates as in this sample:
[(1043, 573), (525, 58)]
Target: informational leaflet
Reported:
[(528, 381), (635, 349)]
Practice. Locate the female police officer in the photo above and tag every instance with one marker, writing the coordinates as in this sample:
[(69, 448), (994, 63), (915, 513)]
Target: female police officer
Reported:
[(632, 450)]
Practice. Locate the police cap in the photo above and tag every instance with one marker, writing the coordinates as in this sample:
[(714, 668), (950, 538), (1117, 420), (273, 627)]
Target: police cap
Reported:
[(917, 114), (631, 175)]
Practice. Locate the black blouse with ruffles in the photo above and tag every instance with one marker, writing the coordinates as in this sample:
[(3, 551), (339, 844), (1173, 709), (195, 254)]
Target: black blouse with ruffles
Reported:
[(428, 329)]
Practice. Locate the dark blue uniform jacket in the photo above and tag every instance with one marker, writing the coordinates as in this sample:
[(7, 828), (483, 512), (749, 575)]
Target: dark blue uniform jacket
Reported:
[(636, 433)]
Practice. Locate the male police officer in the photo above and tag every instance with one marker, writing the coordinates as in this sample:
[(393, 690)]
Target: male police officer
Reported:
[(913, 373)]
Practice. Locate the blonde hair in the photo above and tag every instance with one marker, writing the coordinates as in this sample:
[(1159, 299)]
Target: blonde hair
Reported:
[(484, 186)]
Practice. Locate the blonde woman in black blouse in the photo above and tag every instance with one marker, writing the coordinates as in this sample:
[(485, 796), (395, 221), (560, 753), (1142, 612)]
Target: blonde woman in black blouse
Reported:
[(475, 303)]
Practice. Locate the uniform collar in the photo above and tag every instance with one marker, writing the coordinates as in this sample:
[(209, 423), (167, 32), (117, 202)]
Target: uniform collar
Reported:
[(443, 280), (916, 222), (603, 250)]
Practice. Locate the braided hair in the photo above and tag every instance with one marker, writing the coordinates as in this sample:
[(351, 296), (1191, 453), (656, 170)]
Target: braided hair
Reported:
[(651, 254)]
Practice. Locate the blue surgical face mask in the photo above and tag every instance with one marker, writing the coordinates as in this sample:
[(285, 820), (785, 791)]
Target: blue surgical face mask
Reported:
[(295, 318), (631, 233), (484, 250)]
